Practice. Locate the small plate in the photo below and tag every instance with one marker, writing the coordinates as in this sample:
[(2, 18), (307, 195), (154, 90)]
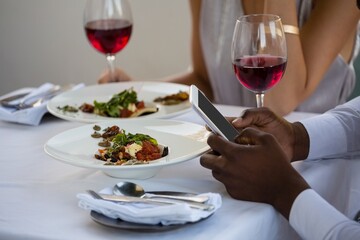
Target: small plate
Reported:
[(76, 147), (152, 186), (118, 223), (147, 91)]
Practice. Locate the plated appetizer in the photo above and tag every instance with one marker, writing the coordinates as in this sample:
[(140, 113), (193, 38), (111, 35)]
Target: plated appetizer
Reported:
[(121, 148), (122, 105), (173, 99)]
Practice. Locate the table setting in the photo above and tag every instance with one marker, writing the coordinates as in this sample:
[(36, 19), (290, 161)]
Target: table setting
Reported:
[(50, 165), (40, 191), (184, 141), (121, 160), (28, 105), (157, 213)]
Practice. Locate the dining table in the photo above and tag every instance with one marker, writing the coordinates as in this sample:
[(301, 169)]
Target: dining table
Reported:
[(38, 193)]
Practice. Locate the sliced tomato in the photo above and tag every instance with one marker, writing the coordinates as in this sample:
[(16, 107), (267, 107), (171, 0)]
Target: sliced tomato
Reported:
[(140, 105), (148, 152), (125, 113)]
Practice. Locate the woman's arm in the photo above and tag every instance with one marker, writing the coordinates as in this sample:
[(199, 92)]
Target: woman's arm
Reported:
[(329, 31), (197, 74)]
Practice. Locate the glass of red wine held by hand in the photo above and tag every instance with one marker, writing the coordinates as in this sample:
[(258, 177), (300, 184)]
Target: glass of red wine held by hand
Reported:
[(258, 53), (108, 27)]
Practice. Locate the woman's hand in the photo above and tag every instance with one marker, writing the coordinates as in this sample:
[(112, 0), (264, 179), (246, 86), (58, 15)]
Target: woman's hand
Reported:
[(120, 76)]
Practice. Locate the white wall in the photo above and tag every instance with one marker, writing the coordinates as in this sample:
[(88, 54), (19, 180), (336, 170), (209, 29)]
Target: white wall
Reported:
[(44, 41)]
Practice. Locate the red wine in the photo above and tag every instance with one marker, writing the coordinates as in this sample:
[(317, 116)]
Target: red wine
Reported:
[(259, 73), (108, 36)]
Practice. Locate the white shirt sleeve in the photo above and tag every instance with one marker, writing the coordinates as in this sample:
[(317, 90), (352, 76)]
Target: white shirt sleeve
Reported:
[(314, 218), (336, 131)]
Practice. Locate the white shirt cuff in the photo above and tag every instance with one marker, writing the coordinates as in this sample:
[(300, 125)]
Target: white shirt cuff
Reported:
[(327, 136), (312, 217)]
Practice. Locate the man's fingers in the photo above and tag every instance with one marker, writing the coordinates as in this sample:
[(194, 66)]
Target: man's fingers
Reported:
[(216, 164), (252, 136), (211, 161), (252, 117), (220, 145)]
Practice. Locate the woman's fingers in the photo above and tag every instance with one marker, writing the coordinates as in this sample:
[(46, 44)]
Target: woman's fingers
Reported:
[(120, 76)]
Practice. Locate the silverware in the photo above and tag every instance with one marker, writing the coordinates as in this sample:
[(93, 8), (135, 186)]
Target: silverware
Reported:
[(29, 102), (357, 217), (116, 198), (36, 100), (135, 190), (12, 98)]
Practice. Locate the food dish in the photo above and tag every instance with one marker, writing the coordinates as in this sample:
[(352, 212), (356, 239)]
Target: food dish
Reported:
[(184, 141), (147, 91), (124, 104)]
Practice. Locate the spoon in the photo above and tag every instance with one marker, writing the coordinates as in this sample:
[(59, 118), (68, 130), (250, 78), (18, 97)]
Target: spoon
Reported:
[(135, 190)]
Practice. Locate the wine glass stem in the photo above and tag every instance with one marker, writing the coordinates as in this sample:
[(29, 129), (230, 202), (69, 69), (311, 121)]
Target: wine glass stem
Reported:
[(259, 100), (111, 60)]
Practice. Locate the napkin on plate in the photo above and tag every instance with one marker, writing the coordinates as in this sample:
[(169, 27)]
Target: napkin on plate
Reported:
[(29, 116), (147, 213)]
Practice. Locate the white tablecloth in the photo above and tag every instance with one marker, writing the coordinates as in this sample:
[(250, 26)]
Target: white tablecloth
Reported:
[(38, 194)]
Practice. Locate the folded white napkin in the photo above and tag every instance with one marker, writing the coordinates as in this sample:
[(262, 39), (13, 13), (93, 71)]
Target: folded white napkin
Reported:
[(147, 213), (29, 116)]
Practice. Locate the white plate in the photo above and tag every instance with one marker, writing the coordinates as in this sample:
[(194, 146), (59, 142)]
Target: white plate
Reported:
[(147, 91), (120, 224), (184, 140), (148, 186)]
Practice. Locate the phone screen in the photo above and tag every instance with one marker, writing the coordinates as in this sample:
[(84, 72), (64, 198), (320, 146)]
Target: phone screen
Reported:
[(216, 117)]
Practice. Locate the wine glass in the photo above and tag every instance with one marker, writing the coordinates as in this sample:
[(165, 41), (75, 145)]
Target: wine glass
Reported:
[(258, 53), (108, 27)]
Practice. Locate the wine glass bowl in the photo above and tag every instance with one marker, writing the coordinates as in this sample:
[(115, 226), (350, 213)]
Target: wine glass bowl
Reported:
[(259, 53), (108, 36), (108, 27)]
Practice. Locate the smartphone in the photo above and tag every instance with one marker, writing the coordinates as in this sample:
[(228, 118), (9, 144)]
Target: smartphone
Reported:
[(213, 118)]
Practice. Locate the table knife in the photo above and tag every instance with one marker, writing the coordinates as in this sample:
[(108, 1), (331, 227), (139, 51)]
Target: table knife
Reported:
[(117, 198)]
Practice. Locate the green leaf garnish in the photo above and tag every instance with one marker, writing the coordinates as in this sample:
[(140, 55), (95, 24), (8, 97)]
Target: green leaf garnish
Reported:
[(116, 103)]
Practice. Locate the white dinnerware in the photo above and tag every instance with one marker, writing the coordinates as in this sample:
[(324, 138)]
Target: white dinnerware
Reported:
[(184, 140), (147, 91)]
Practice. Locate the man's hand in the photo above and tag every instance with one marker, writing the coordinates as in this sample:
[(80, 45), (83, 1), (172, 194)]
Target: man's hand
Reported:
[(255, 168), (292, 137)]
